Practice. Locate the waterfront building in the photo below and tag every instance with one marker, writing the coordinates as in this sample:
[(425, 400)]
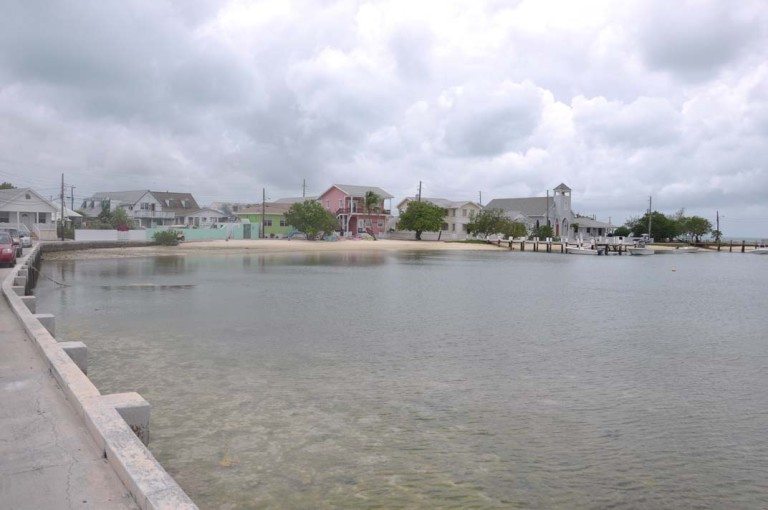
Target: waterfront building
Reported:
[(270, 216), (24, 208), (146, 208), (458, 213), (554, 210), (347, 203)]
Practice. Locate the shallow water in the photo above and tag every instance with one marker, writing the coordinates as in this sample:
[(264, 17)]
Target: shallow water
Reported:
[(437, 380)]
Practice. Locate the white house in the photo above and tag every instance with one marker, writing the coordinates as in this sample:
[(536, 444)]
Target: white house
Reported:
[(206, 217), (457, 214), (147, 208), (24, 206)]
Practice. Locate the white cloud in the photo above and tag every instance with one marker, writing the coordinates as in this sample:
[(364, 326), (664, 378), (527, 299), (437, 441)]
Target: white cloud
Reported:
[(221, 98)]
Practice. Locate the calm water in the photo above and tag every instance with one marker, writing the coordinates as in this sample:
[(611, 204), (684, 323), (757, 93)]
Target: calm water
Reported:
[(453, 380)]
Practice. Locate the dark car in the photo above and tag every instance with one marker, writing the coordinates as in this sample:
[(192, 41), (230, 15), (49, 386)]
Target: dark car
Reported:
[(7, 250), (15, 237)]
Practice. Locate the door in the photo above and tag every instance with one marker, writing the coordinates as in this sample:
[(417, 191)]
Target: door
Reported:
[(246, 230)]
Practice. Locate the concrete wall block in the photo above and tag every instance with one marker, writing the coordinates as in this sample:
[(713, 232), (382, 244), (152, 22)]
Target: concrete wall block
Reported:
[(78, 351), (134, 410), (21, 281), (18, 290), (48, 321), (30, 302), (23, 272)]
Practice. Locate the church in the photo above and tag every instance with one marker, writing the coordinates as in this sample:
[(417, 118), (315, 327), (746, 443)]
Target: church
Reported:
[(554, 210)]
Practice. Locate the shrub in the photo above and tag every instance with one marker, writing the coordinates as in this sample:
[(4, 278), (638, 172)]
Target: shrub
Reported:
[(166, 238)]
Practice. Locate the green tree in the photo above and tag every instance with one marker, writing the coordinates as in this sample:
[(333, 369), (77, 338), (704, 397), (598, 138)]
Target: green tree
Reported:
[(717, 235), (543, 231), (7, 185), (696, 226), (310, 217), (421, 217), (372, 201), (119, 218), (663, 228), (621, 231), (494, 221)]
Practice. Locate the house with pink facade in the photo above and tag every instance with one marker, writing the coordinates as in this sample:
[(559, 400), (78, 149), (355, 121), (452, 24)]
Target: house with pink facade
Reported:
[(348, 203)]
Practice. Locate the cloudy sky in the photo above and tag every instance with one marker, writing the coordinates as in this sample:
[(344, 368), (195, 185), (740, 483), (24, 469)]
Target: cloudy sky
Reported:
[(618, 100)]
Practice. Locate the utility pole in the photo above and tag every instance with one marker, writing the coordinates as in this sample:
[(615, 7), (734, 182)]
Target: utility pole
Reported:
[(72, 197), (62, 207), (263, 211), (481, 197), (419, 198), (547, 207), (304, 189)]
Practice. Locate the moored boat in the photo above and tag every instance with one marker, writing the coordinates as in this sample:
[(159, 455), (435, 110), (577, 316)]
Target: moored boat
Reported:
[(686, 249), (760, 251), (640, 249)]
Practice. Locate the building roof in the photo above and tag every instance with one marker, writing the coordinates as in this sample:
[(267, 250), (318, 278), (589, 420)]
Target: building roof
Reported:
[(125, 197), (14, 196), (359, 191), (441, 202), (178, 203), (562, 187), (531, 206), (269, 208), (584, 221), (293, 200)]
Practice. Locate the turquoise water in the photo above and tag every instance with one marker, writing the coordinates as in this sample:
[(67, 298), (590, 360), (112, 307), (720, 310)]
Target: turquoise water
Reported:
[(437, 380)]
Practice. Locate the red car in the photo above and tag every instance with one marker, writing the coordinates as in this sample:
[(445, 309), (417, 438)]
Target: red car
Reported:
[(7, 250)]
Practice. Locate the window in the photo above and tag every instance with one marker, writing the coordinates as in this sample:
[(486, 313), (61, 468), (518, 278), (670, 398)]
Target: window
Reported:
[(341, 203), (328, 204), (464, 212), (453, 212), (29, 196), (283, 222), (268, 222), (380, 223), (444, 226)]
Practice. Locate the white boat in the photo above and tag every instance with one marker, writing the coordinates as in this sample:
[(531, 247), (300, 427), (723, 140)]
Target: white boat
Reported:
[(580, 250), (760, 251), (640, 249), (686, 249)]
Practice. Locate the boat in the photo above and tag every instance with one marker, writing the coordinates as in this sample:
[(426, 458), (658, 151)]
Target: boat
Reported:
[(640, 249), (581, 250), (686, 249), (760, 251)]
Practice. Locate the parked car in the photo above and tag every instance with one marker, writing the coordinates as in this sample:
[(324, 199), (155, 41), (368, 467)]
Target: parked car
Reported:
[(14, 233), (7, 250), (26, 237)]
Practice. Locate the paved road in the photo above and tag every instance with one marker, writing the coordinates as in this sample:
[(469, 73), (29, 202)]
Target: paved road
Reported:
[(47, 459)]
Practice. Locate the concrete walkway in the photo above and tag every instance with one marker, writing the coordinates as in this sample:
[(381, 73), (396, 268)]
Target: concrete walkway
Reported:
[(47, 458)]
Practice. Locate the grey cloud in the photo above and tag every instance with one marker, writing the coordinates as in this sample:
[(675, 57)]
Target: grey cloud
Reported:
[(694, 40), (487, 122)]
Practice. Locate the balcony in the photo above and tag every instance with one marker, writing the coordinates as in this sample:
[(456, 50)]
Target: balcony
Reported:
[(358, 210), (152, 214)]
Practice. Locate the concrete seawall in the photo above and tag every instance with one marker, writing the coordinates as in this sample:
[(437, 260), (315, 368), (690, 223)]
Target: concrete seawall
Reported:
[(119, 424)]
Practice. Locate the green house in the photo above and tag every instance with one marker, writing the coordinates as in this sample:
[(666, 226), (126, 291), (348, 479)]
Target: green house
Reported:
[(270, 216)]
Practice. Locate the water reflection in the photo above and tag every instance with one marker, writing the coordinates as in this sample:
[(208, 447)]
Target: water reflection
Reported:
[(438, 380)]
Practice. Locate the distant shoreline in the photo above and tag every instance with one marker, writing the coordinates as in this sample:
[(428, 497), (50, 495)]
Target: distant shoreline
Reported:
[(247, 246)]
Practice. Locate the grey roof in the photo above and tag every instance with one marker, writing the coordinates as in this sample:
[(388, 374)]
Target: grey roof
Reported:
[(269, 208), (11, 197), (442, 202), (166, 196), (293, 200), (126, 197), (562, 187), (360, 191), (531, 206), (589, 222)]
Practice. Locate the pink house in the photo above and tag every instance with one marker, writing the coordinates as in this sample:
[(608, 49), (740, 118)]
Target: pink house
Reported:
[(348, 204)]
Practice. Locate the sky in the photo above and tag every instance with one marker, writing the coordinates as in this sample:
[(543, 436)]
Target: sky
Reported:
[(621, 101)]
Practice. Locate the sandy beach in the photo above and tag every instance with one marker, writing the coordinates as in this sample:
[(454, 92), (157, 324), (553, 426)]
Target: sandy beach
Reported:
[(269, 246)]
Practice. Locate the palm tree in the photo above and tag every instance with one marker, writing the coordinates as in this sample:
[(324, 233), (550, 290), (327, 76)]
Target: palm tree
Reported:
[(372, 200)]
